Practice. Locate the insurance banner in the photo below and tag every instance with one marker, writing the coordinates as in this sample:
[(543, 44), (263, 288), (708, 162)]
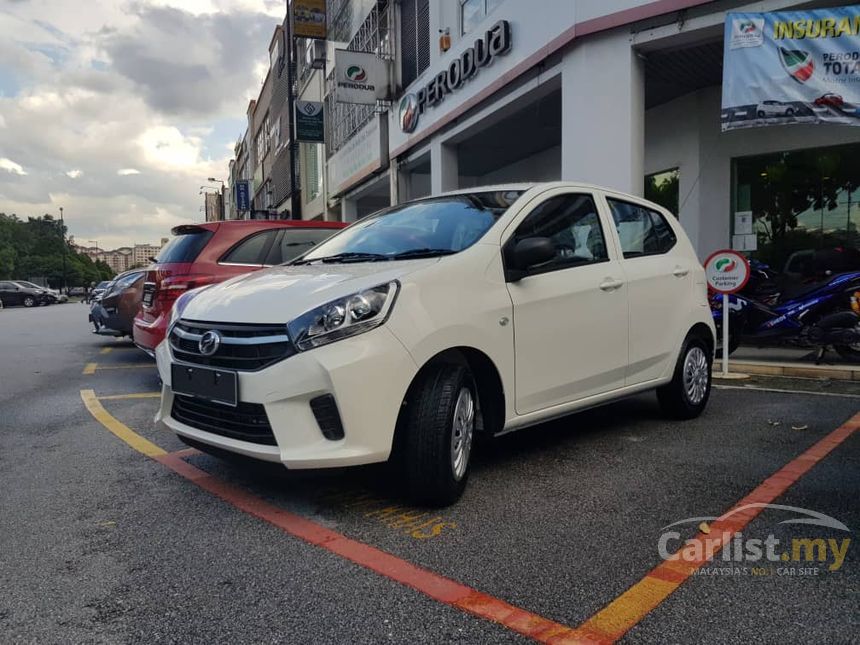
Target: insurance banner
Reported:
[(791, 67)]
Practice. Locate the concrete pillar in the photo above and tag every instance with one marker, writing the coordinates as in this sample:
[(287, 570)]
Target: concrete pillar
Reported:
[(348, 210), (444, 168), (603, 114)]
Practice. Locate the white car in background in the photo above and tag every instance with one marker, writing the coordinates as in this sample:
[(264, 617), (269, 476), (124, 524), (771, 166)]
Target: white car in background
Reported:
[(767, 109), (486, 310)]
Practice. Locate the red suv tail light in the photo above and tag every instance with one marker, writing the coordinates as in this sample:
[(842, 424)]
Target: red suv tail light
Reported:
[(165, 293)]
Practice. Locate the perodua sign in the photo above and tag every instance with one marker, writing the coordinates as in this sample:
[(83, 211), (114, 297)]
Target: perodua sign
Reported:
[(495, 42), (727, 271)]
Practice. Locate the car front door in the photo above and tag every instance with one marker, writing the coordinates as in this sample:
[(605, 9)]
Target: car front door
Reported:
[(570, 314), (659, 281)]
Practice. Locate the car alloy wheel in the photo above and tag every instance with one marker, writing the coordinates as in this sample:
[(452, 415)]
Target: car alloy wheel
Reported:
[(29, 301), (695, 375), (462, 432)]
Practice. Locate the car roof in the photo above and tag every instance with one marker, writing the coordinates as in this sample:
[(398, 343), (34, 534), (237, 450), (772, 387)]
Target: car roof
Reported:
[(523, 186)]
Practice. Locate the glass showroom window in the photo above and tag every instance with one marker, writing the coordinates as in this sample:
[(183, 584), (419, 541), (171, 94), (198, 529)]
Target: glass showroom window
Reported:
[(472, 12), (662, 188), (801, 201)]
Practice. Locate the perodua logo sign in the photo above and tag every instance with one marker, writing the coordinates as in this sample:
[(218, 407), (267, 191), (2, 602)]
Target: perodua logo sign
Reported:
[(727, 271), (209, 343), (495, 42), (798, 63), (356, 74), (408, 113)]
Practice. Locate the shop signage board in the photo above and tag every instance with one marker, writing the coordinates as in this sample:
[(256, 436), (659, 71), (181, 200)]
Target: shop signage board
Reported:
[(496, 41), (243, 195), (310, 122), (309, 18), (360, 77), (791, 67), (727, 272), (363, 154)]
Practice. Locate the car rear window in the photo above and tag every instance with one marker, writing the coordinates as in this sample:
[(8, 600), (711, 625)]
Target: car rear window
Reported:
[(185, 247)]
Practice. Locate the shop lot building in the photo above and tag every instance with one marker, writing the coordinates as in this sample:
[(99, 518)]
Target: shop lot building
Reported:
[(620, 93)]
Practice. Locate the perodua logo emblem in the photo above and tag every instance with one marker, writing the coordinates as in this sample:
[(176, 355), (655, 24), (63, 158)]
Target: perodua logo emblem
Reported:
[(209, 343)]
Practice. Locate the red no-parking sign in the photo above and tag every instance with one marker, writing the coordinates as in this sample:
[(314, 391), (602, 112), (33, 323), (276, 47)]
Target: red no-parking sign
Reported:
[(727, 271)]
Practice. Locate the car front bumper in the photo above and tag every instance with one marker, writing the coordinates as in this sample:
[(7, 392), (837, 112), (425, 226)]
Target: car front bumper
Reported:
[(367, 375)]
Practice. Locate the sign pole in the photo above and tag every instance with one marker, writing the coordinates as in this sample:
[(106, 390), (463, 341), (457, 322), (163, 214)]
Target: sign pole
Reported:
[(725, 335)]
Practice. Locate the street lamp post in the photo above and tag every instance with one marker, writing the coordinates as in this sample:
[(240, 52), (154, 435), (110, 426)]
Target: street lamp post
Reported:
[(223, 197), (63, 237)]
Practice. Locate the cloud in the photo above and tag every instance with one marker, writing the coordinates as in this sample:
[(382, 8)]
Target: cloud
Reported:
[(138, 102), (11, 167)]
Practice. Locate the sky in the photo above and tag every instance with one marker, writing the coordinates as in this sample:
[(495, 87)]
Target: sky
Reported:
[(119, 110)]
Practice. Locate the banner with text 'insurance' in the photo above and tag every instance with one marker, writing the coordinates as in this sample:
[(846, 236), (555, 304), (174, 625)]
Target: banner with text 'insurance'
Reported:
[(791, 67)]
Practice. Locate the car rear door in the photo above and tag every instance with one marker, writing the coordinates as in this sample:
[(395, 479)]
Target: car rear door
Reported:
[(9, 294), (659, 283), (248, 254), (570, 314), (295, 241)]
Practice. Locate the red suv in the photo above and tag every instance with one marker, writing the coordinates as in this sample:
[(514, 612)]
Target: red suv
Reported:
[(202, 254)]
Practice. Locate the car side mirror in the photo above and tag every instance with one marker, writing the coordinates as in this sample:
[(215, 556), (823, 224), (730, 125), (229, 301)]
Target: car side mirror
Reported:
[(528, 253)]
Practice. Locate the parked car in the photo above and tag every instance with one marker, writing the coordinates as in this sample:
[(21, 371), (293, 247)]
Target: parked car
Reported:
[(774, 108), (201, 254), (486, 310), (54, 295), (830, 99), (112, 314), (14, 293)]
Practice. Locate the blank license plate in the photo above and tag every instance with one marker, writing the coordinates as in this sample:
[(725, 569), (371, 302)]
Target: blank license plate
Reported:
[(220, 386)]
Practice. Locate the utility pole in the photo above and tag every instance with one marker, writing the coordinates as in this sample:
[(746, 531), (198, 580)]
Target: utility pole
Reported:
[(63, 237), (291, 58)]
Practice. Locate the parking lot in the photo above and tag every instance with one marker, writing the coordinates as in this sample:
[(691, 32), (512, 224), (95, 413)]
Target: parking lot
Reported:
[(114, 531)]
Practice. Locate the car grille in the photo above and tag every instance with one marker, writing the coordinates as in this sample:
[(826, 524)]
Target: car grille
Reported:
[(245, 422), (243, 347)]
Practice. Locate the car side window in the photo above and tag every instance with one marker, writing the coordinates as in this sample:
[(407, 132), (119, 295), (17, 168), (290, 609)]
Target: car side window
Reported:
[(295, 241), (5, 286), (572, 224), (249, 250), (642, 231)]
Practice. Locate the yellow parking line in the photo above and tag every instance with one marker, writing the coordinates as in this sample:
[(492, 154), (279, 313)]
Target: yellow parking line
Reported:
[(122, 431), (91, 368), (106, 350), (134, 395)]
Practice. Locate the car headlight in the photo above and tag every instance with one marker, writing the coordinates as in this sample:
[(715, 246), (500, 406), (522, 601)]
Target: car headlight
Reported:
[(344, 317)]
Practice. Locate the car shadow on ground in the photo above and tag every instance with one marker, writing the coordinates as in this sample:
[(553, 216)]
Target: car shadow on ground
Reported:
[(311, 487)]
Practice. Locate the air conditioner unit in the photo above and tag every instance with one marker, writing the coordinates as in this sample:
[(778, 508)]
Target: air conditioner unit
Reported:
[(315, 54)]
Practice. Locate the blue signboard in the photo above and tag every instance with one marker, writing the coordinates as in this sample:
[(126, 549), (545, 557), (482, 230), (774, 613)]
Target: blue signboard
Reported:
[(792, 67), (243, 195)]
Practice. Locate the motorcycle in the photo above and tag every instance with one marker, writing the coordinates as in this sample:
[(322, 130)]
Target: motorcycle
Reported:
[(820, 315)]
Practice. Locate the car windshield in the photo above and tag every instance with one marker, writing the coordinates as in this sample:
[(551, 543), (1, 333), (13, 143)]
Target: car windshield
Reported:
[(425, 228), (29, 285), (102, 285)]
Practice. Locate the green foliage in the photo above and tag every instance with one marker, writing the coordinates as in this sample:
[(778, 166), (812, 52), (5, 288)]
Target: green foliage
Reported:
[(34, 248)]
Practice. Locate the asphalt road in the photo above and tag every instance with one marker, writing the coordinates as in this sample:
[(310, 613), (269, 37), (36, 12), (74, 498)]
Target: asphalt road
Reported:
[(99, 543)]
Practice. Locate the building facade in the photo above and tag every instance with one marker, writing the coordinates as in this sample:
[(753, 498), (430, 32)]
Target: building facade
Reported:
[(620, 93)]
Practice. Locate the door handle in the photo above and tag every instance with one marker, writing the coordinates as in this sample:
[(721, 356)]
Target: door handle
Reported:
[(611, 284), (680, 272)]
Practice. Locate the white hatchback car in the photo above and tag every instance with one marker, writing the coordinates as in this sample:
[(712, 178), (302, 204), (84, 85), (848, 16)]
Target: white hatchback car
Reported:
[(486, 310)]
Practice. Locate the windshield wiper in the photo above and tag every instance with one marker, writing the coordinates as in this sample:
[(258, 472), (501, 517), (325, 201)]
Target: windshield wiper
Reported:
[(421, 253), (346, 257)]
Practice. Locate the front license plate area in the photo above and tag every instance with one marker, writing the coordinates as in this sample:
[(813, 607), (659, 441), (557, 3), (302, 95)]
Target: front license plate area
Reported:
[(218, 386)]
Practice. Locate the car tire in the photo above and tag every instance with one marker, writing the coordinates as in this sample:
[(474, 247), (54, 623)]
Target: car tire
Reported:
[(440, 419), (761, 114), (29, 301), (687, 394), (789, 112)]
